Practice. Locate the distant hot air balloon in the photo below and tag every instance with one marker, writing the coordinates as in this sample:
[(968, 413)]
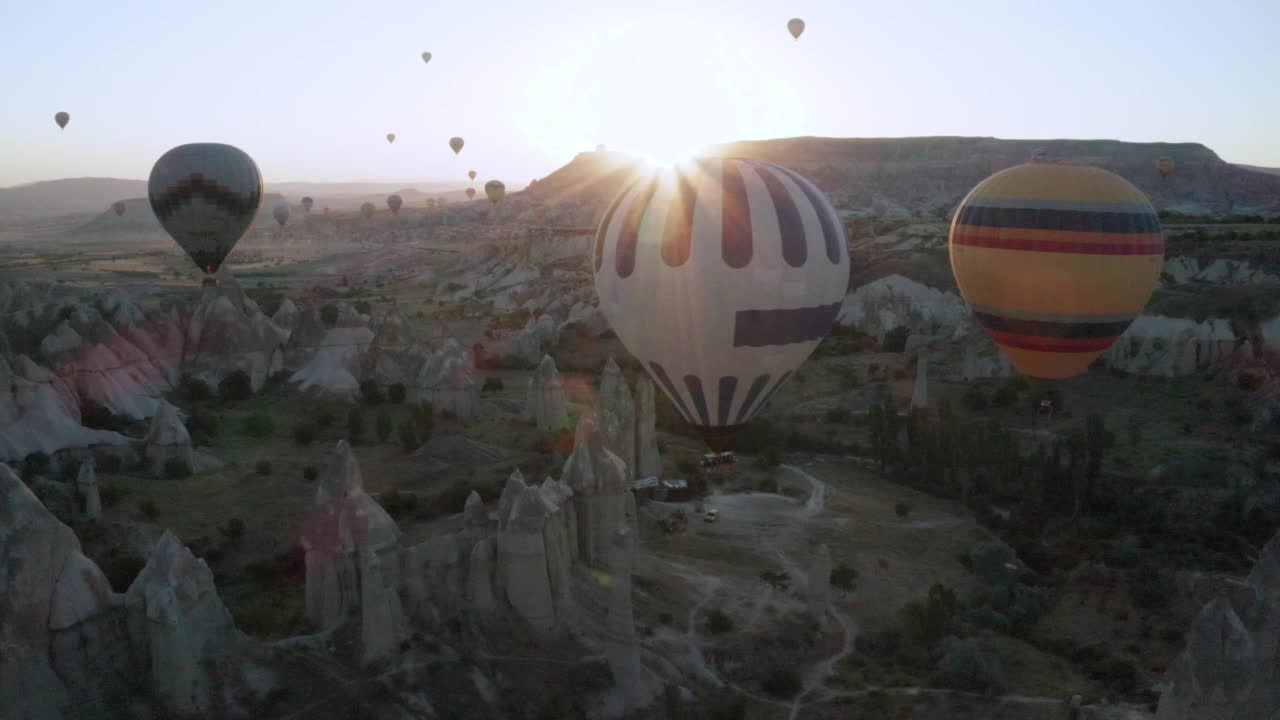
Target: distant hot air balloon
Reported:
[(281, 213), (456, 143), (118, 207), (307, 202), (1055, 260), (795, 26), (471, 174), (62, 119), (205, 195), (1040, 155), (471, 193), (394, 202), (495, 190), (1164, 165), (745, 263), (391, 137), (367, 210), (426, 57)]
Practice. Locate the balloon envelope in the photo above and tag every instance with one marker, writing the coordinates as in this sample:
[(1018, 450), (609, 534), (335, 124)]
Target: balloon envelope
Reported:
[(118, 207), (205, 195), (307, 203), (1164, 166), (62, 119), (1055, 260), (746, 264), (471, 193), (795, 26), (495, 190), (281, 213), (367, 210), (471, 175), (426, 57), (391, 137), (394, 202), (456, 143)]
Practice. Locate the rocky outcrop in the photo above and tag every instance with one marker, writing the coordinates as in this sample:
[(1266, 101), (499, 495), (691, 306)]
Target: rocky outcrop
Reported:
[(390, 358), (87, 489), (648, 461), (622, 651), (39, 411), (1228, 669), (1171, 347), (227, 332), (545, 401), (896, 301), (602, 498), (618, 416), (920, 392), (447, 380), (527, 582), (334, 366), (286, 316), (167, 439)]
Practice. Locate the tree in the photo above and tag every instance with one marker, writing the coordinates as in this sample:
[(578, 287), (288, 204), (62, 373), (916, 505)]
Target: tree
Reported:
[(370, 392), (843, 576), (355, 425), (902, 508), (262, 467), (310, 473), (492, 384), (304, 434), (235, 387), (396, 393), (776, 580), (233, 531), (783, 683), (925, 622), (382, 425), (408, 433), (193, 389), (967, 666), (329, 315), (424, 419), (718, 623), (259, 425), (895, 341), (990, 562)]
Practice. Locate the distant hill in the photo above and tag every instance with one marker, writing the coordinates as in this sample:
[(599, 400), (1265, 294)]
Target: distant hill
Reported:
[(24, 203), (1256, 168)]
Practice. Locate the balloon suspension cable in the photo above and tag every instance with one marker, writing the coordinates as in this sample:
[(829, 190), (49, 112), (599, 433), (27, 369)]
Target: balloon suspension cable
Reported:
[(717, 437)]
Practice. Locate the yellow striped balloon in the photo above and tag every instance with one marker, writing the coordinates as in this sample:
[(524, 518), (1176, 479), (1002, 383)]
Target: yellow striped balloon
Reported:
[(1055, 260), (1164, 166)]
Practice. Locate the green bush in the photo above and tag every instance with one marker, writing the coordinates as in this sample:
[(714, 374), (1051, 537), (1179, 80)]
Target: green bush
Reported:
[(986, 617), (990, 560), (783, 683), (974, 399), (355, 426), (492, 384), (304, 434), (408, 433), (902, 508), (927, 621), (310, 473), (769, 457), (382, 426), (370, 392), (324, 418), (235, 387), (259, 425), (202, 425), (193, 389), (110, 493), (363, 307), (967, 666), (149, 509), (233, 531), (329, 315), (175, 468), (36, 463), (262, 467), (1004, 397), (396, 393), (895, 341), (424, 419), (110, 463), (843, 576), (718, 623)]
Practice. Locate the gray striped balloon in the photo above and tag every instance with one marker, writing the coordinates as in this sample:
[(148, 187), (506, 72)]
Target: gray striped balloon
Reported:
[(721, 277)]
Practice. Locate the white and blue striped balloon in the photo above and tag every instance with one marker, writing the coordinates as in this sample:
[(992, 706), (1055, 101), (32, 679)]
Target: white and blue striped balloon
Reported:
[(721, 278)]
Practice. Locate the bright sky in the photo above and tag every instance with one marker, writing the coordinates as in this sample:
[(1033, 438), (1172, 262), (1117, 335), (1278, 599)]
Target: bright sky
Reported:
[(309, 89)]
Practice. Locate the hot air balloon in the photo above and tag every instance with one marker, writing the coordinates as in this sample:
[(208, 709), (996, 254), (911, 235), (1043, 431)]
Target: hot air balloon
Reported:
[(456, 143), (307, 202), (746, 264), (205, 195), (281, 213), (62, 119), (394, 202), (795, 26), (601, 149), (471, 193), (391, 137), (1164, 165), (471, 174), (495, 190), (118, 207), (1055, 259), (426, 57), (367, 210)]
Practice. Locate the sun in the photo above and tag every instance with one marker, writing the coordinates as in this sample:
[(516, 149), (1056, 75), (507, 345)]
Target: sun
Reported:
[(661, 101)]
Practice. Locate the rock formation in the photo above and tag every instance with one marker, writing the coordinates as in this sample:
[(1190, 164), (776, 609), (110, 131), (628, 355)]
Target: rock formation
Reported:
[(39, 412), (390, 359), (818, 590), (87, 489), (228, 332), (1228, 669), (602, 498), (286, 316), (527, 582), (545, 401), (167, 438), (333, 368), (618, 416), (622, 650), (648, 461), (447, 380), (920, 393)]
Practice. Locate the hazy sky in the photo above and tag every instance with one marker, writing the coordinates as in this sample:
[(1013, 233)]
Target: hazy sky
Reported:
[(309, 89)]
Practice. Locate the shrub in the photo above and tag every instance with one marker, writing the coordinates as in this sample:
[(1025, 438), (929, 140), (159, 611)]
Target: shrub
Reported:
[(900, 374), (839, 415), (310, 473), (492, 384), (193, 389), (382, 426), (396, 393), (324, 418), (672, 701), (363, 307), (235, 387), (355, 425), (775, 580), (262, 467), (967, 666), (408, 432), (989, 560), (110, 493), (110, 463), (902, 508), (259, 425), (36, 463), (202, 425), (783, 683), (895, 340), (370, 392), (974, 399), (329, 315), (175, 468), (233, 531), (718, 623), (769, 458), (927, 621), (768, 485), (732, 709), (1004, 397), (398, 504), (843, 577), (149, 509), (304, 434), (1248, 382)]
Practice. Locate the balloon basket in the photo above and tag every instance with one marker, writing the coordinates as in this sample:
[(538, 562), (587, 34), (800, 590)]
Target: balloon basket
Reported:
[(718, 438), (209, 281)]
